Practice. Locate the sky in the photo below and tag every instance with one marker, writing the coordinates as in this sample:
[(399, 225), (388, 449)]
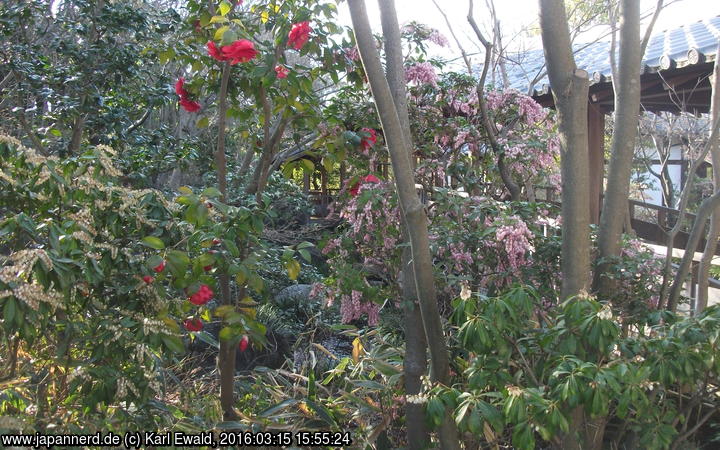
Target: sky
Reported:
[(516, 16)]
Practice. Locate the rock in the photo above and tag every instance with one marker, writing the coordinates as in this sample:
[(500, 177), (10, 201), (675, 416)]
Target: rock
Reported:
[(296, 293), (339, 346)]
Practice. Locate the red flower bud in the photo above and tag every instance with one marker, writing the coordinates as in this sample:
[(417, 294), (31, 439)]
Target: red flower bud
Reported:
[(160, 267), (244, 342), (148, 279), (193, 324), (216, 241), (207, 268), (281, 71), (369, 141)]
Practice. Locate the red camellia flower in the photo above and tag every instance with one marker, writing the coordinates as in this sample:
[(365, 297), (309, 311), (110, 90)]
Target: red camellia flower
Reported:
[(281, 71), (185, 102), (369, 141), (244, 342), (189, 105), (179, 89), (148, 279), (193, 324), (239, 51), (214, 51), (207, 268), (366, 179), (216, 242), (299, 35), (160, 267), (202, 296)]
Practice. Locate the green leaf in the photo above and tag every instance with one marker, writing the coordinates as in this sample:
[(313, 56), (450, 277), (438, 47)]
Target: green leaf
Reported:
[(153, 261), (153, 242), (174, 343), (293, 268), (211, 192), (256, 283), (226, 334), (273, 409), (229, 37), (322, 412), (220, 32), (203, 122), (305, 254), (225, 7), (178, 262), (232, 248), (308, 165), (9, 310), (166, 56), (207, 338)]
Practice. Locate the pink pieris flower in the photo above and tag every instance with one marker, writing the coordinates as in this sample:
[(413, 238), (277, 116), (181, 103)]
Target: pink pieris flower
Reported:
[(421, 73), (352, 53), (438, 39), (352, 308)]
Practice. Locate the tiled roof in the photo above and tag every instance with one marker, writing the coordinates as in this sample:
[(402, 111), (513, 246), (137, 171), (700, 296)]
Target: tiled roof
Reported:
[(689, 44)]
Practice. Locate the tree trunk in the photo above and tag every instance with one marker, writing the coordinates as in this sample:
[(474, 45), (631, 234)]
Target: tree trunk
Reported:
[(682, 207), (570, 91), (415, 362), (226, 356), (708, 206), (627, 105), (714, 230), (413, 211)]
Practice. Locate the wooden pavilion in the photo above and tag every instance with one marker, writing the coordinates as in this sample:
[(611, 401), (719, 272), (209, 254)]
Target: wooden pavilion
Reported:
[(675, 77)]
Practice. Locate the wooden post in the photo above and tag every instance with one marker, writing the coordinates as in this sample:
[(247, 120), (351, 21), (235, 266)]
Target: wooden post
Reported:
[(596, 150), (323, 186), (306, 181)]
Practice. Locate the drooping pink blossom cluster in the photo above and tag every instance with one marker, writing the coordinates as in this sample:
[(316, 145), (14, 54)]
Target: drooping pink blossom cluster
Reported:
[(524, 131), (421, 73), (438, 38), (367, 244), (352, 307), (352, 53), (515, 238)]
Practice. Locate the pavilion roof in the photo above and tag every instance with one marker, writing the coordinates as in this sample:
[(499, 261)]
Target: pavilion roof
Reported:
[(688, 45)]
